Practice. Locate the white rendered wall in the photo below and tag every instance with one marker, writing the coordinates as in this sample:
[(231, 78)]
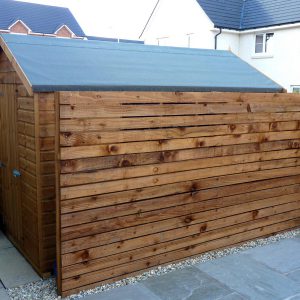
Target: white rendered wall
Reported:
[(175, 20), (229, 41), (282, 63)]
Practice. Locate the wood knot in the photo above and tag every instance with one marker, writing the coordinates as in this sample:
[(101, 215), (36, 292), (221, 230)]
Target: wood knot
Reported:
[(190, 247), (161, 142), (67, 134), (255, 214), (188, 219), (73, 107), (274, 126), (162, 157), (125, 163), (203, 228), (194, 189), (112, 148), (155, 170), (232, 127), (200, 144)]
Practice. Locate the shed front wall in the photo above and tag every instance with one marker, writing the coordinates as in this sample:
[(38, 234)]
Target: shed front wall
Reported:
[(27, 145), (147, 179)]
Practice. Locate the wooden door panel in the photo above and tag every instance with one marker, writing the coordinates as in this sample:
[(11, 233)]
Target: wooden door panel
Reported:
[(10, 185)]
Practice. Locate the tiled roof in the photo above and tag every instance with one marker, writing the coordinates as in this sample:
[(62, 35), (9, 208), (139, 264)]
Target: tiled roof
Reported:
[(39, 18), (223, 13), (251, 14)]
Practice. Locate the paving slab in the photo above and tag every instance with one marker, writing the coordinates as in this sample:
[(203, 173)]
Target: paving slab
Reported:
[(233, 296), (283, 256), (14, 269), (3, 295), (130, 292), (187, 284), (250, 278), (296, 297), (295, 275), (4, 242)]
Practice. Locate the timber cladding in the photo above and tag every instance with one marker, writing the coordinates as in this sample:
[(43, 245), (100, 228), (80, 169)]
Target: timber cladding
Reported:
[(148, 178), (27, 134)]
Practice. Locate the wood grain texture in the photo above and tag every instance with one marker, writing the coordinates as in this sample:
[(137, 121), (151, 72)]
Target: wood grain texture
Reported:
[(27, 144), (147, 179)]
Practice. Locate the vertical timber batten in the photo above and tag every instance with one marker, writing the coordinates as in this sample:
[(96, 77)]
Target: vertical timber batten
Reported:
[(58, 202)]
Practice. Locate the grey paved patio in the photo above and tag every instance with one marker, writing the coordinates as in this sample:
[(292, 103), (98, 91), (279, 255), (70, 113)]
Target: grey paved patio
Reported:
[(270, 272), (14, 269)]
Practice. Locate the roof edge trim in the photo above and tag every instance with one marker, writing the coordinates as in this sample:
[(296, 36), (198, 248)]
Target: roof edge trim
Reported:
[(141, 88)]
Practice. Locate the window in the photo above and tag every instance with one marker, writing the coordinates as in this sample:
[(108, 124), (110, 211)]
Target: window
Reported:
[(296, 89), (263, 43)]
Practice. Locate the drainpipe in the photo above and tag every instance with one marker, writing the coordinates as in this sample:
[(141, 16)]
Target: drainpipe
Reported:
[(216, 38)]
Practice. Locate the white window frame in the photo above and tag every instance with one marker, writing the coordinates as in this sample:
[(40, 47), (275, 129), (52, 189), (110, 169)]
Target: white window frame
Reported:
[(294, 88), (265, 53)]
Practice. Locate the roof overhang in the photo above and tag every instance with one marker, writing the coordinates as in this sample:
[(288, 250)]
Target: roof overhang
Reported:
[(257, 29)]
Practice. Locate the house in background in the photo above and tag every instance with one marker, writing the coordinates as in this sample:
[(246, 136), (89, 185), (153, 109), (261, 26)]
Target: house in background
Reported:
[(264, 33), (44, 20), (35, 19)]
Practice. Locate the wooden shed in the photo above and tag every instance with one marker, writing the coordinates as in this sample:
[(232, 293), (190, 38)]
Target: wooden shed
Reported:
[(117, 158)]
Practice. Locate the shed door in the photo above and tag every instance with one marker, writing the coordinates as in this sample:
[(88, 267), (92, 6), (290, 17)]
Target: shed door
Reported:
[(10, 182)]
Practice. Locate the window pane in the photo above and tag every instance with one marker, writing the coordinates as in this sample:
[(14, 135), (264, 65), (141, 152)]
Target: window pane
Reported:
[(259, 43), (258, 48), (296, 90), (259, 39)]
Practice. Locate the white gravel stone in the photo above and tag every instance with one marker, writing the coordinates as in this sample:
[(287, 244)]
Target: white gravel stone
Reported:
[(46, 289)]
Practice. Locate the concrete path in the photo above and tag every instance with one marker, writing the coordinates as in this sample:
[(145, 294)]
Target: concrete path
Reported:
[(14, 269), (270, 272)]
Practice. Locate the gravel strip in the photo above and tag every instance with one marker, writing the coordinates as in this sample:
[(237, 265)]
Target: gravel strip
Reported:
[(46, 289)]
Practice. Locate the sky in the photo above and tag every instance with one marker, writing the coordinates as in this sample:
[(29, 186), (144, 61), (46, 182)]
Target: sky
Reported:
[(108, 18)]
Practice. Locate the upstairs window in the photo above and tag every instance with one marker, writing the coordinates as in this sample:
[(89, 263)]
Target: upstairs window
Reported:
[(296, 89), (263, 43)]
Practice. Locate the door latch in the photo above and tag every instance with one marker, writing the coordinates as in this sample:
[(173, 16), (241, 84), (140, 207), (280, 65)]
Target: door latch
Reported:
[(16, 173)]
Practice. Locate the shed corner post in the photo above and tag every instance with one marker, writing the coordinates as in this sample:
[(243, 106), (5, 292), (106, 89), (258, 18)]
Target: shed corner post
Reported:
[(57, 189)]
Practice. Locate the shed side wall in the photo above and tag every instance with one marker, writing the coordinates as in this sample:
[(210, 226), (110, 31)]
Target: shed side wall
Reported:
[(148, 179)]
